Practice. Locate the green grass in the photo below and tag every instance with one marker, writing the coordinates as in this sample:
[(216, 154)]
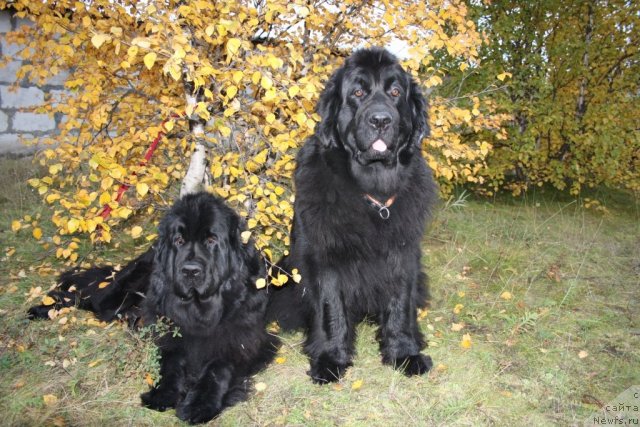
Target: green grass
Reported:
[(573, 275)]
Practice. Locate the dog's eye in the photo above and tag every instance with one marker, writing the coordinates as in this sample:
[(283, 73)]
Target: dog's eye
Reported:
[(358, 93), (395, 92), (178, 240)]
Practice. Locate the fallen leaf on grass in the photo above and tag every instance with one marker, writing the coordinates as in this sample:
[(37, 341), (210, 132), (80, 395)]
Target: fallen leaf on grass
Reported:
[(261, 387), (148, 379), (280, 360), (582, 354), (456, 327), (50, 399), (506, 295), (94, 363), (37, 233), (458, 308), (466, 341), (356, 385)]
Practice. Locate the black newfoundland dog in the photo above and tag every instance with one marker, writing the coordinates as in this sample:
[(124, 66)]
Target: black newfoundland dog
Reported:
[(363, 196), (200, 277)]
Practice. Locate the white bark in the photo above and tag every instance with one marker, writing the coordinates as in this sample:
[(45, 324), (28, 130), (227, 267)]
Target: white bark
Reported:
[(196, 175)]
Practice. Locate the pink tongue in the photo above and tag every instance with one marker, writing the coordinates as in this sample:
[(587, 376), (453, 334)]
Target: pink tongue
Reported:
[(379, 145)]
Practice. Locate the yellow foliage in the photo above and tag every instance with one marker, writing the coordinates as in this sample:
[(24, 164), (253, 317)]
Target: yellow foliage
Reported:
[(259, 76)]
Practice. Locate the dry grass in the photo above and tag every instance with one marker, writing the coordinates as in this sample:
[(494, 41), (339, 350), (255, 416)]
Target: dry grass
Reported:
[(573, 276)]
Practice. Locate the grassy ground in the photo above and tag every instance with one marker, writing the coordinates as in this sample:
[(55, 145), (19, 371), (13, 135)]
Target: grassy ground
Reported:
[(534, 321)]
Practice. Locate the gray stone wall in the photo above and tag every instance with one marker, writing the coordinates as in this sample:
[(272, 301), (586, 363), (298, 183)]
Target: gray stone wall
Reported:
[(18, 96)]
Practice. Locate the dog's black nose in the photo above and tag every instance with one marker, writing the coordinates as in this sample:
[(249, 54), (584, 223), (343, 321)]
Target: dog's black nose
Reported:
[(191, 269), (380, 119)]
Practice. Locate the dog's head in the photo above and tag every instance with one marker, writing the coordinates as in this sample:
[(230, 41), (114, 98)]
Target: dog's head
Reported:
[(200, 256), (373, 109)]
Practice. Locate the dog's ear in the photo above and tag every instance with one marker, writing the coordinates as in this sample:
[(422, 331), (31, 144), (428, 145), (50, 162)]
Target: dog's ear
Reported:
[(420, 126), (328, 108), (418, 115)]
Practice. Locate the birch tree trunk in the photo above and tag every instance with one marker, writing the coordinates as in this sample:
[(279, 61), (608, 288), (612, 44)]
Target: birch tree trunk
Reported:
[(196, 176)]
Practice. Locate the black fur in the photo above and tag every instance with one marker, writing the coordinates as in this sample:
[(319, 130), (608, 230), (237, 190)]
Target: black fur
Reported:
[(354, 263), (201, 277)]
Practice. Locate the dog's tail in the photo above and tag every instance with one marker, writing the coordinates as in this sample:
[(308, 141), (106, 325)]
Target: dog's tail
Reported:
[(109, 293), (285, 303)]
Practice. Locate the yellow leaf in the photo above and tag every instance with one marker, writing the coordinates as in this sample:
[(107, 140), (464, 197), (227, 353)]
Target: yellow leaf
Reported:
[(103, 285), (458, 308), (280, 360), (150, 59), (105, 198), (293, 91), (461, 294), (148, 378), (98, 39), (503, 76), (270, 118), (47, 300), (297, 278), (136, 231), (15, 225), (168, 126), (464, 66), (266, 82), (142, 189), (456, 327), (224, 130), (245, 235), (274, 62), (356, 385), (261, 283), (72, 225), (506, 295), (233, 46), (231, 91), (94, 363), (237, 76), (50, 399), (583, 354), (466, 341), (261, 386), (37, 233)]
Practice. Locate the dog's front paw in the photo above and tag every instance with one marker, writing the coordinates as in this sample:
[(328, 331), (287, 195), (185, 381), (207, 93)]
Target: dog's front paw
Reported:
[(324, 370), (196, 408), (159, 399), (417, 364)]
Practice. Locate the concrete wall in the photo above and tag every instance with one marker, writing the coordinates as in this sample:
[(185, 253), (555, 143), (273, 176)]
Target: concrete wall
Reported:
[(16, 121)]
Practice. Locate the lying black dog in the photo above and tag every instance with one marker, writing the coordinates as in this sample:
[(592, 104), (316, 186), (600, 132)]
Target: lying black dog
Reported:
[(363, 196), (201, 277)]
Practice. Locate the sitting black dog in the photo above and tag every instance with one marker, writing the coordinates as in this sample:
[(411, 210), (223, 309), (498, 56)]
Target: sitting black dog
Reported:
[(364, 194), (200, 277)]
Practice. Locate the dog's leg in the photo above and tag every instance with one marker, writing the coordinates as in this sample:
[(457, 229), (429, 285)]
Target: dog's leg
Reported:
[(331, 333), (399, 334), (207, 398), (168, 392)]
